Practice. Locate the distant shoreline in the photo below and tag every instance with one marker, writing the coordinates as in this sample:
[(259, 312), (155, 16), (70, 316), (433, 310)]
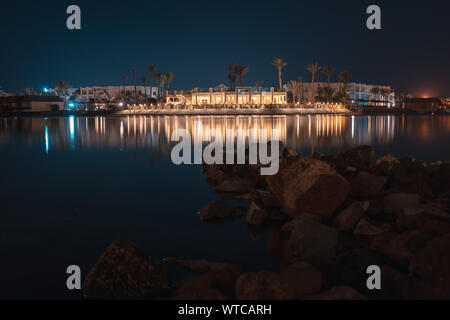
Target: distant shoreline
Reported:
[(214, 112)]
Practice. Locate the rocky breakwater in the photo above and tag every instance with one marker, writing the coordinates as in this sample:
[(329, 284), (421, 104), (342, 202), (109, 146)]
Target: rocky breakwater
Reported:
[(340, 214), (330, 216)]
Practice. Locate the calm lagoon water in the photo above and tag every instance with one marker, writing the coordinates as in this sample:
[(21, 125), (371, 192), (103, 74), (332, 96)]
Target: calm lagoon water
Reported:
[(72, 185)]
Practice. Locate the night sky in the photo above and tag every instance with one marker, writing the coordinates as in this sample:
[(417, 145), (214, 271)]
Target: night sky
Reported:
[(196, 40)]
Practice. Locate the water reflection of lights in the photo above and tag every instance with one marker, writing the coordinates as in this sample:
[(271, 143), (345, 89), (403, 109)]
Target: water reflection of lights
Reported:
[(46, 139), (319, 132)]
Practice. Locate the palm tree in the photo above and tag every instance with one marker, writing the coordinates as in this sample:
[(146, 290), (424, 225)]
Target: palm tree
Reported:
[(384, 93), (241, 71), (232, 79), (294, 87), (169, 78), (62, 89), (230, 69), (124, 78), (313, 68), (135, 89), (302, 83), (144, 80), (259, 84), (344, 77), (328, 70), (279, 63), (376, 92), (158, 78), (151, 69)]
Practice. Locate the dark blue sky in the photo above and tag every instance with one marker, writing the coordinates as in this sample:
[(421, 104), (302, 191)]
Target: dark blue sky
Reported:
[(197, 39)]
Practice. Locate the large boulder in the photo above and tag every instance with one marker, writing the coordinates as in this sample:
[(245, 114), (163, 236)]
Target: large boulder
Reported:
[(124, 271), (262, 285), (365, 227), (218, 211), (293, 282), (359, 158), (425, 217), (198, 287), (309, 186), (313, 242), (395, 202), (256, 215), (367, 185), (349, 217), (400, 248)]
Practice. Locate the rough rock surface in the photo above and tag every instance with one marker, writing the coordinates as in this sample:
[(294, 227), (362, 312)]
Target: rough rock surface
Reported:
[(349, 217), (216, 211), (309, 186), (124, 271)]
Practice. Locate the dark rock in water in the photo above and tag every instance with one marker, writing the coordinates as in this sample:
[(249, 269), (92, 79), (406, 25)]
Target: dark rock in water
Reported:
[(348, 218), (124, 271), (313, 242), (265, 198), (293, 282), (236, 185), (238, 197), (279, 249), (425, 217), (410, 176), (301, 279), (395, 202), (256, 231), (262, 285), (359, 158), (360, 259), (198, 266), (368, 228), (197, 288), (367, 185), (309, 186), (214, 176), (221, 276), (433, 260), (338, 293), (384, 166), (288, 153), (376, 208), (400, 248), (428, 277), (256, 214), (217, 211)]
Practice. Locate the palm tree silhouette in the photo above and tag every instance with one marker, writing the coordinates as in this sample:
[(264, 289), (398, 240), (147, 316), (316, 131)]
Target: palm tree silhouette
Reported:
[(169, 78), (151, 69), (294, 87), (279, 63), (313, 68), (230, 69), (240, 71), (328, 70), (135, 89), (144, 80)]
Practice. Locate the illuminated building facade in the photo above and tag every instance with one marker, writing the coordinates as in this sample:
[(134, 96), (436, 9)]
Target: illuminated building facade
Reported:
[(223, 95)]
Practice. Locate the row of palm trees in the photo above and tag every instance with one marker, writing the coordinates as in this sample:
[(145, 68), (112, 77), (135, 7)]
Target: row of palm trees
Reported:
[(235, 72), (296, 87), (160, 79)]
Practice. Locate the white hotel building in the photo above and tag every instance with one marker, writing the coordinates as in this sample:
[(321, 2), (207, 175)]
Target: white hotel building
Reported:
[(359, 94)]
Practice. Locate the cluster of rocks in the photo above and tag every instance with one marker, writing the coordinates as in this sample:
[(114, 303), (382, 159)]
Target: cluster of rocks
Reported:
[(336, 215), (345, 213)]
